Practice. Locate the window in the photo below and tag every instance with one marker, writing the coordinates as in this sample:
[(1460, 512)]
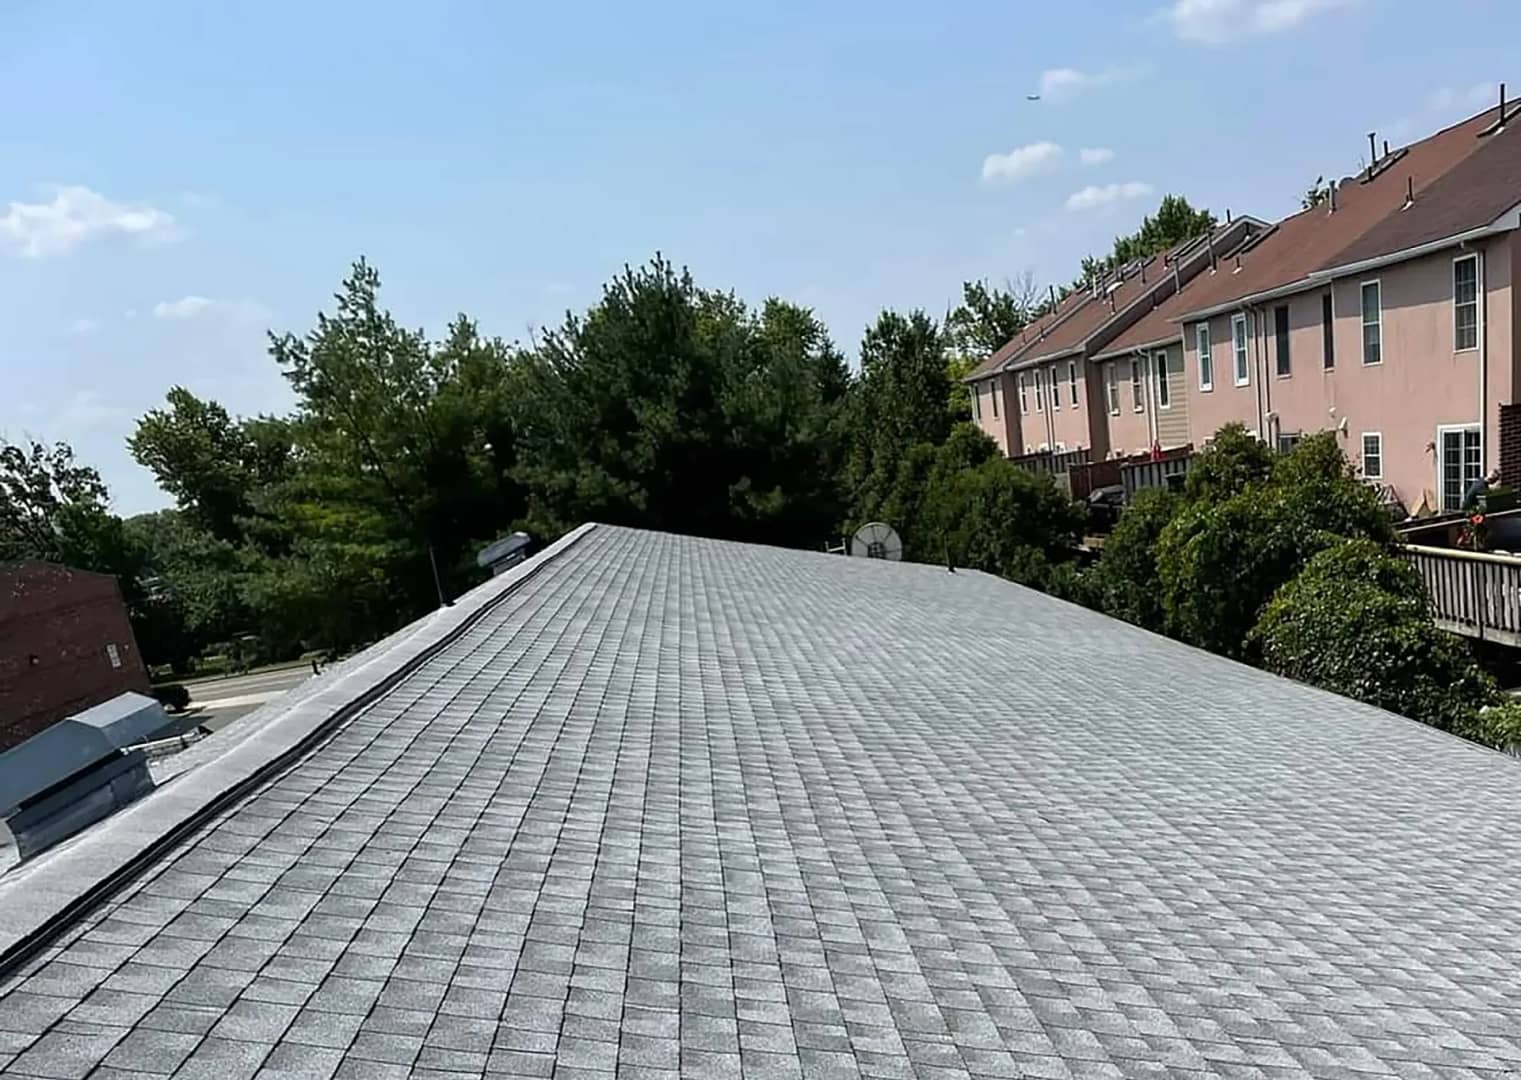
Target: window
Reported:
[(1327, 332), (1164, 392), (1072, 380), (1373, 323), (977, 401), (1024, 403), (1040, 391), (1206, 361), (1281, 338), (1112, 389), (1465, 303), (1459, 465), (1137, 384), (993, 397), (1238, 345), (1288, 440), (1373, 455), (1056, 389)]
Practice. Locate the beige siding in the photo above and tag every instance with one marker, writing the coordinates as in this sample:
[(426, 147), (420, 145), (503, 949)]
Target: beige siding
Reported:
[(1172, 422)]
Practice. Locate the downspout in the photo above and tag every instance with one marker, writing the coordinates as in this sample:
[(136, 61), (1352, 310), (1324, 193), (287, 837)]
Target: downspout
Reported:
[(1483, 304), (1255, 361)]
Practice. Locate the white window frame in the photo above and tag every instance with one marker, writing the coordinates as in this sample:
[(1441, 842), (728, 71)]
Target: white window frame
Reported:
[(1072, 380), (1138, 378), (1111, 389), (1472, 258), (1241, 360), (1056, 391), (1362, 307), (1378, 436), (1463, 482), (1040, 390), (1160, 370), (1202, 345), (1024, 401)]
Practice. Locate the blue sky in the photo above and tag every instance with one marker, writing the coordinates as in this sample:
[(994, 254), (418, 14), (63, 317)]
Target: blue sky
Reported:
[(175, 178)]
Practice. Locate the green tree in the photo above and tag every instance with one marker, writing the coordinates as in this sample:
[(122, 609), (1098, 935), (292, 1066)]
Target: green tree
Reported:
[(1355, 621), (1234, 460), (1174, 222), (1002, 519), (673, 407), (900, 400), (989, 316), (1317, 193), (1219, 562), (211, 463), (1125, 582)]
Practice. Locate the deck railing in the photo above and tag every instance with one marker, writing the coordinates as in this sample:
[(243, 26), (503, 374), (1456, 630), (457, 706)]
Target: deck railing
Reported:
[(1477, 594)]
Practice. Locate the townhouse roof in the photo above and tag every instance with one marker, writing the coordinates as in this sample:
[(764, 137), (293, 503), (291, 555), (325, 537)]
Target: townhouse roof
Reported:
[(1284, 257), (1083, 312), (1475, 192), (1157, 327), (659, 806)]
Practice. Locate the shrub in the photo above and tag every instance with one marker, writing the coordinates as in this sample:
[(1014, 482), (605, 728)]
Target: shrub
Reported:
[(1355, 621), (1219, 562), (1125, 582), (1003, 519), (172, 696), (1234, 460)]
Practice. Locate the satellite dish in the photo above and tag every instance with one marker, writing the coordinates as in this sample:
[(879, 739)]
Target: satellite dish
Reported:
[(876, 540)]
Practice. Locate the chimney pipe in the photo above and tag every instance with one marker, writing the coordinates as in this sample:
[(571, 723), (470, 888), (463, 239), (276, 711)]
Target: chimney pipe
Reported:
[(1372, 152), (1502, 104), (1409, 190), (1053, 296), (1333, 198), (1209, 241), (1386, 148), (1227, 215)]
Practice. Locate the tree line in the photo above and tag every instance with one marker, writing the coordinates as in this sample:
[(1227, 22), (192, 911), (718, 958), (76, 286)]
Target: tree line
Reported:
[(669, 405)]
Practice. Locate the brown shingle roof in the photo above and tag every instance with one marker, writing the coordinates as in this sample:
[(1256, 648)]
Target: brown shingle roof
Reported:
[(1470, 195), (1030, 334), (1156, 325), (1306, 241)]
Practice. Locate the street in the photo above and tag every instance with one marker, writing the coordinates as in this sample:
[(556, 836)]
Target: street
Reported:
[(215, 703)]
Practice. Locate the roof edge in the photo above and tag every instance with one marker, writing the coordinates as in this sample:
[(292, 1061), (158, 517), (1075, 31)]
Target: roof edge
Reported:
[(1110, 354), (42, 899), (1506, 222)]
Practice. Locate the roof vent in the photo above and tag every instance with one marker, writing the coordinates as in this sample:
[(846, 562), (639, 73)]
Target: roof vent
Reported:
[(1237, 270), (1505, 115), (1409, 193)]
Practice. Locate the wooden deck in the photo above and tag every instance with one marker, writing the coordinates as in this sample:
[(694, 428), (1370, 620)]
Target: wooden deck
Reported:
[(1474, 594)]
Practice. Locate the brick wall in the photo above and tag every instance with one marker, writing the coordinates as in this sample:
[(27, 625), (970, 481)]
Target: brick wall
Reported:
[(59, 629), (1510, 444)]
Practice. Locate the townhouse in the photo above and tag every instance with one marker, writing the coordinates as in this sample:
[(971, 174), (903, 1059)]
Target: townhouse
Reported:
[(1043, 390), (1386, 313)]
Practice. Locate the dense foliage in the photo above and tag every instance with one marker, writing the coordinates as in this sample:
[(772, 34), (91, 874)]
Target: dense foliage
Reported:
[(1355, 621)]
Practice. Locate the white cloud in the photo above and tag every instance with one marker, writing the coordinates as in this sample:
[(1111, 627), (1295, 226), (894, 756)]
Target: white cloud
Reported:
[(80, 327), (75, 215), (1097, 155), (1095, 196), (1021, 162), (195, 307), (1060, 84), (1215, 22)]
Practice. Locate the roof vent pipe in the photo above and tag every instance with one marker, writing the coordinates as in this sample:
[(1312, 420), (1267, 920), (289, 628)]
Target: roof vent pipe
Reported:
[(1502, 104), (1372, 152), (1227, 215), (1052, 288), (1209, 242), (1409, 192), (1332, 199), (1386, 148)]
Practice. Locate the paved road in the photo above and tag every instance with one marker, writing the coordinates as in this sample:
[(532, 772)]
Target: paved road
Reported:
[(221, 701)]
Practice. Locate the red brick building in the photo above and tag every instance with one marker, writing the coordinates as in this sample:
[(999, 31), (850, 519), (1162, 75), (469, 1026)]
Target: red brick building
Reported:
[(65, 644)]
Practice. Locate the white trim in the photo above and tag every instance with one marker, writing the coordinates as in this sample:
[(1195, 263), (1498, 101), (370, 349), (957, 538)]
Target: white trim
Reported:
[(1470, 257), (1111, 389), (1056, 391), (1362, 322), (1138, 384), (1510, 219), (1024, 401), (1072, 381), (1161, 372), (1363, 455), (1204, 351), (1241, 361)]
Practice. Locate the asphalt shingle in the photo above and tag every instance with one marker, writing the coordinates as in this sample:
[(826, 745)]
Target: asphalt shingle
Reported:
[(679, 807)]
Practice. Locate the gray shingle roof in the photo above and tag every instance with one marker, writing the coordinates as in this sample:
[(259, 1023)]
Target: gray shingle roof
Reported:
[(681, 806)]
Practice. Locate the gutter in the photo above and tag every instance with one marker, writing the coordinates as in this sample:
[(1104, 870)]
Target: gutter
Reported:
[(1161, 342)]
